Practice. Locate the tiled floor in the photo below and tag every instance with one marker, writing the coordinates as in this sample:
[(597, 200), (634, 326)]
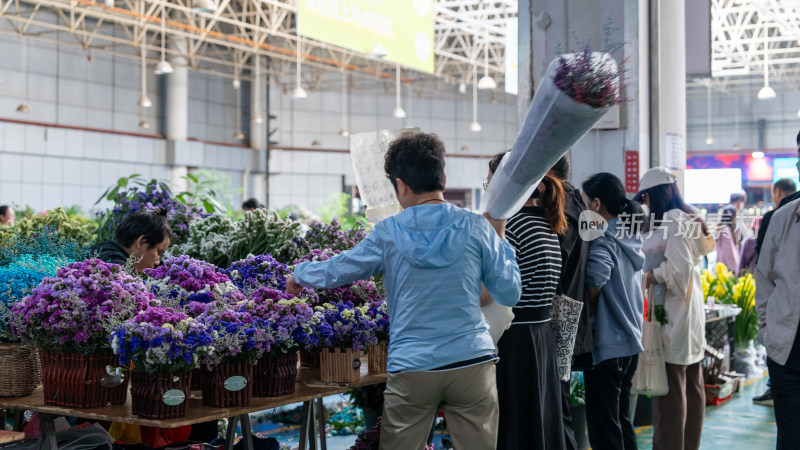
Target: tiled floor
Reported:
[(737, 424)]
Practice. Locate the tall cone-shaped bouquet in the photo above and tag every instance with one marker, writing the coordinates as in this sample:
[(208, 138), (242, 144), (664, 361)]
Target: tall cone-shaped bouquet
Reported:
[(576, 91)]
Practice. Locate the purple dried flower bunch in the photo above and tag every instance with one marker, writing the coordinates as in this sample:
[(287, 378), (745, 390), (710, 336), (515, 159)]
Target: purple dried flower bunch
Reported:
[(348, 326), (75, 311), (237, 336), (332, 235), (293, 322), (362, 292), (150, 197), (181, 280), (588, 80), (161, 340)]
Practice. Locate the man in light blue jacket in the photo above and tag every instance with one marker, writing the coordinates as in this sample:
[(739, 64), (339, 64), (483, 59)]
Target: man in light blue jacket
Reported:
[(433, 257)]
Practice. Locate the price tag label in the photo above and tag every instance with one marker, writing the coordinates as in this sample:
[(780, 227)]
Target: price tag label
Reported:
[(173, 397), (235, 383)]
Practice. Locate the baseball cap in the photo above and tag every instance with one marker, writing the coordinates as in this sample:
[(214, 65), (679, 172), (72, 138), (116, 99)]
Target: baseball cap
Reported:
[(656, 177)]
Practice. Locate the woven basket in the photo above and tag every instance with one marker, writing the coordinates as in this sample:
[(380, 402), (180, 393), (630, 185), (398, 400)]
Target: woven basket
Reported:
[(309, 359), (73, 380), (199, 378), (20, 370), (275, 376), (338, 366), (221, 390), (147, 395), (376, 358)]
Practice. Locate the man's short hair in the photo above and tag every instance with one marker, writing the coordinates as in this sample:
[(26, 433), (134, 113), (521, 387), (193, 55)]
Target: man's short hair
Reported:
[(418, 160), (785, 185), (738, 197)]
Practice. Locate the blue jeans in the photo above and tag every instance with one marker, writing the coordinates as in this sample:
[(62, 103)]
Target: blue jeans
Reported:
[(785, 387)]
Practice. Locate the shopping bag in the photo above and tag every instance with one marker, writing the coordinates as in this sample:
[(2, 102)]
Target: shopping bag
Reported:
[(651, 374), (566, 316), (498, 317)]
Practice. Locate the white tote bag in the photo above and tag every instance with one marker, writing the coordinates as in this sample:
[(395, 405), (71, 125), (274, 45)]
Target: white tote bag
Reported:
[(566, 315), (651, 374), (498, 317)]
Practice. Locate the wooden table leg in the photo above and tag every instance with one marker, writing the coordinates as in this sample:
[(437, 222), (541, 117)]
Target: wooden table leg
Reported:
[(47, 432), (323, 445), (247, 432), (230, 434), (312, 438), (304, 413)]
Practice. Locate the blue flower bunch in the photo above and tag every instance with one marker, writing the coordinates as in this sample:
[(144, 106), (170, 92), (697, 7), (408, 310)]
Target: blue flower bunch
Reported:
[(258, 271), (161, 340), (350, 327), (18, 279), (332, 235), (237, 336), (45, 241)]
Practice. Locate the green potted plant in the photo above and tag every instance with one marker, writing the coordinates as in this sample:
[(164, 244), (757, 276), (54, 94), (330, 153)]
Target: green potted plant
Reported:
[(577, 395)]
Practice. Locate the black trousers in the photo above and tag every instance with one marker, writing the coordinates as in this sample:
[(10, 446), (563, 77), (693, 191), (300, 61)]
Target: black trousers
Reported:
[(608, 404), (785, 387)]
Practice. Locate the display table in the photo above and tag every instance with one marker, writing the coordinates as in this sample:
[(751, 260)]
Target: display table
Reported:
[(308, 390)]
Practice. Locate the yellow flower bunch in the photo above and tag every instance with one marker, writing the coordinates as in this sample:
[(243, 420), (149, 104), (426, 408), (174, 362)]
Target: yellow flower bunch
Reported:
[(719, 283)]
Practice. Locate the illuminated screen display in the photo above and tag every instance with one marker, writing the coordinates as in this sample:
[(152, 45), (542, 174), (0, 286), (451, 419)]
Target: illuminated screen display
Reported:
[(784, 168), (711, 186), (403, 29)]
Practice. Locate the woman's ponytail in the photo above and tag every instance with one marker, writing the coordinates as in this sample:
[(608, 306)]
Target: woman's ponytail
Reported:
[(553, 200)]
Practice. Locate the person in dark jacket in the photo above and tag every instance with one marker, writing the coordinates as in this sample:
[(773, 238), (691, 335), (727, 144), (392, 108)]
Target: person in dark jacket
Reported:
[(574, 256), (142, 236)]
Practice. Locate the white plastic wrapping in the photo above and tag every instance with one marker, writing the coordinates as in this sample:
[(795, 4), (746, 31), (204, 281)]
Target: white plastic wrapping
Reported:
[(553, 124)]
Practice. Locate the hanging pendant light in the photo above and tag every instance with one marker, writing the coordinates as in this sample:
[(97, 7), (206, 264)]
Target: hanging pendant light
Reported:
[(239, 136), (486, 82), (475, 126), (766, 92), (298, 93), (344, 132), (144, 123), (163, 67), (144, 101), (23, 107), (709, 137), (398, 112)]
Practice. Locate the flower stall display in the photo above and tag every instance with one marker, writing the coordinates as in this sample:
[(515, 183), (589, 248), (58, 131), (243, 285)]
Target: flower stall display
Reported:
[(740, 292), (377, 353), (362, 292), (208, 239), (163, 346), (239, 340), (294, 326), (351, 331), (263, 232), (578, 89), (181, 280), (69, 318)]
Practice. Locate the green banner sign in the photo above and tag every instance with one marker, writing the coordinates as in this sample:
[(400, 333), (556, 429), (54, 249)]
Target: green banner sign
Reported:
[(403, 29)]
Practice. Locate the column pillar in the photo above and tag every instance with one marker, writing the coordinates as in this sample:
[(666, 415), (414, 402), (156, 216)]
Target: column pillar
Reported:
[(178, 92)]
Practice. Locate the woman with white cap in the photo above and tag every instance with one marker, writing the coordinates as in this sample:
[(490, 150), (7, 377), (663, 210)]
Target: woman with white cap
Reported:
[(674, 246)]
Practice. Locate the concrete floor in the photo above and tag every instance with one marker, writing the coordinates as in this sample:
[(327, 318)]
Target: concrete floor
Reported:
[(736, 424)]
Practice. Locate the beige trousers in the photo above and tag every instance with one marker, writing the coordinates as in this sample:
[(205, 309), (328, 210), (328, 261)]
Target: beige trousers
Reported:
[(469, 396)]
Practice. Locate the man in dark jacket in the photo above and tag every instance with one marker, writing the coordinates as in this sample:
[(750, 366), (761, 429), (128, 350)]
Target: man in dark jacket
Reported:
[(574, 255)]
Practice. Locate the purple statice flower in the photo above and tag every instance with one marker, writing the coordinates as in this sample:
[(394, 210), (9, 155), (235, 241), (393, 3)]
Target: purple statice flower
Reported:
[(75, 310), (332, 235), (350, 327), (180, 280), (292, 321), (238, 336), (258, 271), (587, 80), (362, 292), (162, 340), (378, 313), (151, 197)]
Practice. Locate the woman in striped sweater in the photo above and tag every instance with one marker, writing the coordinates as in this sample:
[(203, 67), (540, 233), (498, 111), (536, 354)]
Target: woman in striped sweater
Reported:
[(528, 386)]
